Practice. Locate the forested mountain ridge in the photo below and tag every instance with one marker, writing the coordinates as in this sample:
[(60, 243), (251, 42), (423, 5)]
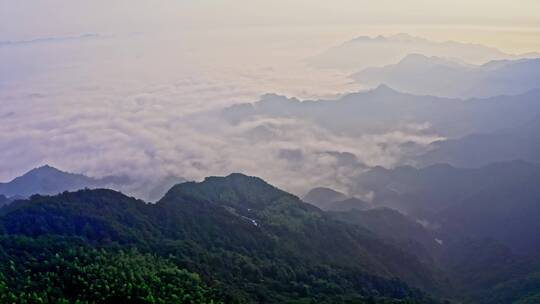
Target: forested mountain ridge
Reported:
[(286, 223), (248, 241), (238, 239)]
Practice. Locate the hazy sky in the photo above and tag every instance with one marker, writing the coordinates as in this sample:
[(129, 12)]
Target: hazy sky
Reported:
[(27, 19)]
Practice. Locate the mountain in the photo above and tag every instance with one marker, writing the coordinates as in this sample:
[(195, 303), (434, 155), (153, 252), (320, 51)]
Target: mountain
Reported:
[(363, 52), (49, 180), (3, 200), (477, 150), (277, 216), (480, 270), (330, 200), (349, 204), (321, 195), (392, 224), (486, 271), (246, 240), (422, 75), (383, 110), (498, 201), (75, 246), (237, 239), (521, 290), (505, 211)]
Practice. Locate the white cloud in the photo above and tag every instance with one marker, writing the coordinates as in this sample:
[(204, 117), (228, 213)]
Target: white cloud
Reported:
[(147, 107)]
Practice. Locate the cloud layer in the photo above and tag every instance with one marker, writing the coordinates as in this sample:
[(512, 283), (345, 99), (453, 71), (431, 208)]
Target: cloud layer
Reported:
[(149, 107)]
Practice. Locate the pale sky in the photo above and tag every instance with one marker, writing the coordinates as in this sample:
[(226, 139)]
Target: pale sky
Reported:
[(25, 19)]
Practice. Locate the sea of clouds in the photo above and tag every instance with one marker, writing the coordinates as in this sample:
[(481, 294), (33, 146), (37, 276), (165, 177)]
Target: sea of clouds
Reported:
[(149, 106)]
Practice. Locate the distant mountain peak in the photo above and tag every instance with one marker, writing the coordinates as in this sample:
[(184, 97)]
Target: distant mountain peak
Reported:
[(385, 89), (45, 171), (45, 180), (376, 51), (412, 56), (417, 61), (401, 37), (45, 167), (446, 76), (416, 58), (236, 177), (328, 199), (404, 37), (323, 194)]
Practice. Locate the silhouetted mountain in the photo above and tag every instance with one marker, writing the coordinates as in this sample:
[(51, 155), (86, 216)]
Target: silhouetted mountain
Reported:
[(481, 149), (48, 180), (247, 239), (364, 52), (498, 201), (418, 74), (323, 195), (384, 109), (330, 200)]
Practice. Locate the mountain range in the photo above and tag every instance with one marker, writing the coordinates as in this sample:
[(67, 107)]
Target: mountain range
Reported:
[(476, 150), (384, 110), (238, 239), (407, 170), (47, 180), (247, 240), (459, 227), (497, 201), (423, 75), (364, 52)]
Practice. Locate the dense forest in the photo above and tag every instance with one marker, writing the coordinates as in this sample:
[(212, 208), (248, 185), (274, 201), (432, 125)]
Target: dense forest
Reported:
[(237, 239), (225, 240)]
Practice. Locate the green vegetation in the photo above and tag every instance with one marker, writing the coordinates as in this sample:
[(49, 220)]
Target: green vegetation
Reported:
[(231, 240), (63, 270)]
